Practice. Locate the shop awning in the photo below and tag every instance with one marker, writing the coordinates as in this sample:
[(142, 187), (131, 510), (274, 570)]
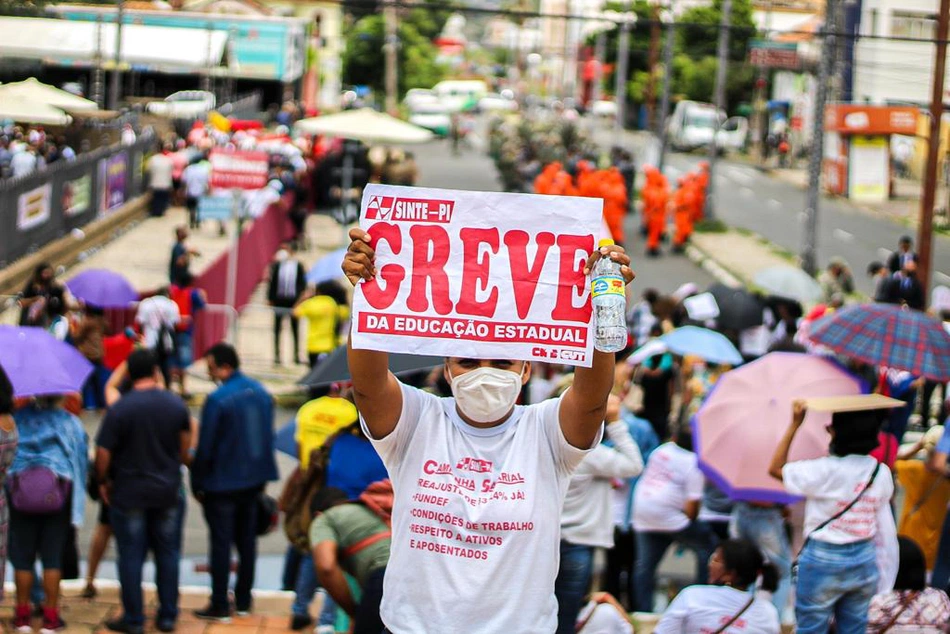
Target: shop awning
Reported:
[(146, 48)]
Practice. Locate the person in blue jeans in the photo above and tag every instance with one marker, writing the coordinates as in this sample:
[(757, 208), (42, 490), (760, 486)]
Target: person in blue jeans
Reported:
[(764, 526), (233, 462), (142, 443), (849, 527), (938, 464), (586, 516), (666, 510)]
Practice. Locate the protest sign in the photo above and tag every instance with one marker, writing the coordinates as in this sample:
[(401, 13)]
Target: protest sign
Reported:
[(477, 274)]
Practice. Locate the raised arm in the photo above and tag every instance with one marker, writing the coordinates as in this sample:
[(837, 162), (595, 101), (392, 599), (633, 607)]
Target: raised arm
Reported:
[(584, 405), (375, 390), (780, 458)]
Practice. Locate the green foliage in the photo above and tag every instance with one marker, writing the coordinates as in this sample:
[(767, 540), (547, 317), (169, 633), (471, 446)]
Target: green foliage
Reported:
[(364, 59), (699, 34), (26, 8)]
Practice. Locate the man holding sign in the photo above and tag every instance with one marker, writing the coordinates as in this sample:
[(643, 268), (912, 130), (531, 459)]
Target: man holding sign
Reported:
[(479, 482)]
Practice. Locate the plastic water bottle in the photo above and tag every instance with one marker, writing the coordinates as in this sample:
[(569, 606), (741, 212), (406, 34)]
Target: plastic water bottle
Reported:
[(607, 290)]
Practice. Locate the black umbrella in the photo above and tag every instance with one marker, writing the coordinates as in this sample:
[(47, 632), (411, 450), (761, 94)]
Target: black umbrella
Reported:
[(335, 368), (738, 308)]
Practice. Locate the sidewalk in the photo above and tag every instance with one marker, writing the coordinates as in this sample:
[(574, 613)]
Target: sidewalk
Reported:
[(142, 254), (85, 616), (734, 257)]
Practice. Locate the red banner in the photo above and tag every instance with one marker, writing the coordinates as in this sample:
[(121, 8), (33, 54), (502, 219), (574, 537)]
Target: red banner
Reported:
[(238, 170)]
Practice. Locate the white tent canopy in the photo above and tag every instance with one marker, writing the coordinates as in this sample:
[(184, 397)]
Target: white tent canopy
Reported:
[(365, 125), (38, 113), (35, 90), (155, 48)]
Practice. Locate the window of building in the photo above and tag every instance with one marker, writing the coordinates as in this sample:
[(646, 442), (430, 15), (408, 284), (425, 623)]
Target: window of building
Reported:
[(913, 24)]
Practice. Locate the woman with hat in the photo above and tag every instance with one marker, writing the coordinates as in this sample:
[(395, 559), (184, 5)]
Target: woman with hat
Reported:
[(850, 549)]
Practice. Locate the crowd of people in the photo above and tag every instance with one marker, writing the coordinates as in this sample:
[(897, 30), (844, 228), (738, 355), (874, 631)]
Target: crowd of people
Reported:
[(24, 150)]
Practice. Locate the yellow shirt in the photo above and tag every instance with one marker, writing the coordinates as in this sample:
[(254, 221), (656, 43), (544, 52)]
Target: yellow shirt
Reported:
[(319, 419), (324, 317), (922, 526)]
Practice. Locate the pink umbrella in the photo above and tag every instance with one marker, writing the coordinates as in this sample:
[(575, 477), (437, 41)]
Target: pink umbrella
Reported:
[(736, 430)]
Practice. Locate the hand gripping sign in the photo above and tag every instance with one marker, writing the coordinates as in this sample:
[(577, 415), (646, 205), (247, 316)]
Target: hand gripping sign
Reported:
[(477, 274)]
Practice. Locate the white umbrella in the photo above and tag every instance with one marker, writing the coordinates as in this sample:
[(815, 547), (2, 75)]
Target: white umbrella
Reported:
[(22, 111), (789, 282), (34, 90), (650, 349), (365, 125)]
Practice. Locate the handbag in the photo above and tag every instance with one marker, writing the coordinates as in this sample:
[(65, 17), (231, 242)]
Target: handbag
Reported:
[(38, 491), (867, 485)]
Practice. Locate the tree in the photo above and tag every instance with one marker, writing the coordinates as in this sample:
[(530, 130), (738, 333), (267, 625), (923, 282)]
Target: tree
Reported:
[(364, 58), (26, 8), (698, 34)]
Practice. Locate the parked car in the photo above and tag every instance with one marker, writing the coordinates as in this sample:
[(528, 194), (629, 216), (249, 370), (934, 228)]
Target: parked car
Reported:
[(460, 94), (604, 108), (432, 116), (498, 102), (416, 97), (184, 104)]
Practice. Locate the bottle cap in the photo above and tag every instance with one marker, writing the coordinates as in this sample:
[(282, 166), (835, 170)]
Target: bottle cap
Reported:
[(605, 242)]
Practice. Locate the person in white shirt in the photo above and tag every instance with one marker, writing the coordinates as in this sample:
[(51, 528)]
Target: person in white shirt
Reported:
[(23, 162), (160, 170), (157, 317), (729, 604), (666, 510), (845, 559), (603, 614), (196, 179), (586, 520), (479, 482)]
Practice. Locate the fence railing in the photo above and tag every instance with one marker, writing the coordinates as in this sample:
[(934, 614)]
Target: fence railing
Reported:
[(65, 196), (244, 106)]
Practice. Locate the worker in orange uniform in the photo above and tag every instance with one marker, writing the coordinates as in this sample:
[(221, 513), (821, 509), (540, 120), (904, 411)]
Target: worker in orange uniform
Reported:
[(615, 202), (586, 182), (684, 205), (544, 182), (563, 184), (702, 184), (656, 197)]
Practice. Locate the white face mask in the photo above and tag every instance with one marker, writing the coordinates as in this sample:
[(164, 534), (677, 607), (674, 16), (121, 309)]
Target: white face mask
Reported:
[(486, 395), (282, 255)]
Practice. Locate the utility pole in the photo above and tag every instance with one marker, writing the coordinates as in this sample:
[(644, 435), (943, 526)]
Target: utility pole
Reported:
[(620, 87), (652, 59), (96, 89), (722, 52), (809, 255), (925, 230), (116, 88), (667, 16), (600, 54), (390, 49)]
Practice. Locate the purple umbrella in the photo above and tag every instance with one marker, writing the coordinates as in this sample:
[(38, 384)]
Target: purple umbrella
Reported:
[(102, 288), (38, 363)]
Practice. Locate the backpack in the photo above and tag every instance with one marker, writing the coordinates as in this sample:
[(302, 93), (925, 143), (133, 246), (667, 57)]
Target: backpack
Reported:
[(378, 498)]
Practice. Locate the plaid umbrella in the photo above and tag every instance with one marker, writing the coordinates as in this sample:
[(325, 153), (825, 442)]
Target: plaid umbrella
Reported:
[(888, 335)]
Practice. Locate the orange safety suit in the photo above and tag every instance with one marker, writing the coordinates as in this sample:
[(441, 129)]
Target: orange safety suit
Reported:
[(684, 205)]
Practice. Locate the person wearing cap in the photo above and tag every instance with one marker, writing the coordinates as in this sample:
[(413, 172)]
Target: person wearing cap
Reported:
[(850, 549), (479, 482)]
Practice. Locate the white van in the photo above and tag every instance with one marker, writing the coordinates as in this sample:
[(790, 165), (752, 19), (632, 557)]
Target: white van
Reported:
[(458, 94), (693, 125)]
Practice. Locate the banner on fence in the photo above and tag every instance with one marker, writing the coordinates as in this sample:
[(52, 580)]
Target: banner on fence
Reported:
[(77, 195), (215, 207), (33, 207), (477, 274), (113, 172), (238, 170)]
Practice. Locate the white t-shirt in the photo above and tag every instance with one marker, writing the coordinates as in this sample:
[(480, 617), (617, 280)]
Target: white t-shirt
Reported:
[(160, 169), (831, 483), (196, 177), (153, 313), (602, 618), (476, 518), (671, 478), (704, 609)]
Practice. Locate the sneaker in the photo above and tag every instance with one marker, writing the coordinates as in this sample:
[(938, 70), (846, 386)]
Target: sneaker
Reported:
[(51, 626), (165, 625), (242, 610), (213, 614), (300, 622), (120, 625), (23, 622)]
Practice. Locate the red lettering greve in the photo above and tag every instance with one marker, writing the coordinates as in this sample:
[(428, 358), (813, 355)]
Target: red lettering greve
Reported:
[(392, 275)]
